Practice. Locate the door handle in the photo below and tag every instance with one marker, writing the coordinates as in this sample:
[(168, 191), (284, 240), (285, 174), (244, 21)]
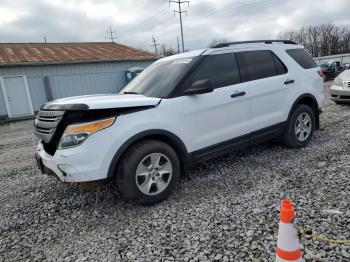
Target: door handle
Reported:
[(236, 94), (289, 81)]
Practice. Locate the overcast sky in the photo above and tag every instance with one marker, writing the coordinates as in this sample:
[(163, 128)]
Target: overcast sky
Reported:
[(135, 22)]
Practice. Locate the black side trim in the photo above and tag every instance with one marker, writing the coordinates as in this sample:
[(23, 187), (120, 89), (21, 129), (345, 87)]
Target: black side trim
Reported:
[(64, 107), (240, 142), (171, 138)]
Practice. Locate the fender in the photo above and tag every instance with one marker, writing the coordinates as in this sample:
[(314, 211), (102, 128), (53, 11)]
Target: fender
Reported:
[(316, 110), (163, 135)]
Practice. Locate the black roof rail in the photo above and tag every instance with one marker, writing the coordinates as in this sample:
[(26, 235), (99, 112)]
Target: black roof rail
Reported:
[(254, 41)]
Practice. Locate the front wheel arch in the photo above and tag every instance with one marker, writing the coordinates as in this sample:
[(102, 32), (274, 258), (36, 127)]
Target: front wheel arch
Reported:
[(155, 134)]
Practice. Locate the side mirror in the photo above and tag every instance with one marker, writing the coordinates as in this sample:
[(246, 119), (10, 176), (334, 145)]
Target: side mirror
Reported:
[(200, 87)]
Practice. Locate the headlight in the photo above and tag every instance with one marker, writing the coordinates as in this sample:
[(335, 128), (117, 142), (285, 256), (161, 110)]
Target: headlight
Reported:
[(76, 134), (338, 82)]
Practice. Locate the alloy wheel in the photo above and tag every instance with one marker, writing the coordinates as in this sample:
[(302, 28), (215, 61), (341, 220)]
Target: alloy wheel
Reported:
[(303, 126), (153, 174)]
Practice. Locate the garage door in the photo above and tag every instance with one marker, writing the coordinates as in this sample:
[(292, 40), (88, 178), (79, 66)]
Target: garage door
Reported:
[(17, 96)]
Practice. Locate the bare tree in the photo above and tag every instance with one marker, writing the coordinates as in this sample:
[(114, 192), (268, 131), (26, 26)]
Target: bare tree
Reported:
[(166, 51), (322, 40), (215, 41)]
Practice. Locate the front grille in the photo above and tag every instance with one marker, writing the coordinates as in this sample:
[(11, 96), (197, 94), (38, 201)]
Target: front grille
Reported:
[(46, 123), (344, 97)]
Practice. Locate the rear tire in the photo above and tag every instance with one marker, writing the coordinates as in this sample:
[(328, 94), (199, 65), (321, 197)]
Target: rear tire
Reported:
[(148, 172), (300, 127)]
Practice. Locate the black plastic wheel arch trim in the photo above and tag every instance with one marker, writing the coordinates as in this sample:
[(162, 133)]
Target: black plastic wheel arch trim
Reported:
[(176, 142), (317, 111)]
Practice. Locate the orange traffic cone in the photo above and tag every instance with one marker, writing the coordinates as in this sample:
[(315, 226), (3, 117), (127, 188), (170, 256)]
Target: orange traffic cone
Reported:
[(288, 248)]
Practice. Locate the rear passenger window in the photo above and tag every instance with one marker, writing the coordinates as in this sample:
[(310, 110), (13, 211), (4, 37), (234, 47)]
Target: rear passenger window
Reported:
[(259, 64), (302, 58), (221, 69)]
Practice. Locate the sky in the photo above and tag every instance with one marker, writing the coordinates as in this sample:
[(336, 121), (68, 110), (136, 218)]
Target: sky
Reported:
[(135, 22)]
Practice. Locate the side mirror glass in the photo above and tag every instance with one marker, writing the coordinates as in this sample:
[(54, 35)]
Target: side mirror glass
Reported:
[(200, 87)]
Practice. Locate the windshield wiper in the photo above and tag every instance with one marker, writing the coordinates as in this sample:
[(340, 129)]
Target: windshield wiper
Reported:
[(130, 93)]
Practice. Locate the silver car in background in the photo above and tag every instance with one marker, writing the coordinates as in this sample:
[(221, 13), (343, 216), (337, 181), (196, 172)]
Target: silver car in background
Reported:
[(340, 89)]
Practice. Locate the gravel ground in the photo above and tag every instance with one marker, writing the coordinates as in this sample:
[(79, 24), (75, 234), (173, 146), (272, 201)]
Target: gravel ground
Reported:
[(226, 212)]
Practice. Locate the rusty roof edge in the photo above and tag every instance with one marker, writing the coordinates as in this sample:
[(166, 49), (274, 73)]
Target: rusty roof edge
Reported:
[(2, 64)]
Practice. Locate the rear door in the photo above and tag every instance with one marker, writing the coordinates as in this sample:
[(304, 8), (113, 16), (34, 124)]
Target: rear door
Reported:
[(271, 85)]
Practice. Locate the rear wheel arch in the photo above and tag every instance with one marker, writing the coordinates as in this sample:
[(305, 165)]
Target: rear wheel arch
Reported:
[(309, 100), (156, 134)]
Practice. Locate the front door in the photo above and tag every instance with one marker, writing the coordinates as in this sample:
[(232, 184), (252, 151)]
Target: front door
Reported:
[(212, 118), (17, 96)]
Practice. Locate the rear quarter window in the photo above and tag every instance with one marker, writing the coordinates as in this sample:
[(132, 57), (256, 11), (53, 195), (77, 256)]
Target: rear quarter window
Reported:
[(302, 58)]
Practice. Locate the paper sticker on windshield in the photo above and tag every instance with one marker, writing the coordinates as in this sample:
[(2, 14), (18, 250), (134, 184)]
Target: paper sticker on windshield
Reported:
[(183, 61)]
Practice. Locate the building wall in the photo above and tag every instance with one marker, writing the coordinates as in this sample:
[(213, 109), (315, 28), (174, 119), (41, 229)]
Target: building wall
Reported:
[(70, 80)]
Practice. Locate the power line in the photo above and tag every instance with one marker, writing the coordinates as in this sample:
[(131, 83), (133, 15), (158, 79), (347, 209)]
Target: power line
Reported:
[(161, 22), (111, 35), (230, 7), (220, 10), (152, 16), (179, 11), (223, 9), (155, 44)]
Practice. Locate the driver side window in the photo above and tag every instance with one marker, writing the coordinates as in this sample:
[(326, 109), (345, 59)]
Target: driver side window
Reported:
[(221, 70)]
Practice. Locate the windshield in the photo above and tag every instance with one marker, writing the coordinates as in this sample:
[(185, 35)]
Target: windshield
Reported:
[(160, 78)]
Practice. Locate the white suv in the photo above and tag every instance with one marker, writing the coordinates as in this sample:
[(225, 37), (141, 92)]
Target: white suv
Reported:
[(182, 109)]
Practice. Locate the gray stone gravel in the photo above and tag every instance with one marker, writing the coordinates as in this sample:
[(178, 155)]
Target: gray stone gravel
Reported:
[(226, 212)]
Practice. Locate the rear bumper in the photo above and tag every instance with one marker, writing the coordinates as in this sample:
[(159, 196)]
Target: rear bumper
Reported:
[(340, 95)]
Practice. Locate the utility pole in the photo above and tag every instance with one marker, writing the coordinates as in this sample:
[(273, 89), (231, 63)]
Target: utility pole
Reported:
[(45, 39), (178, 44), (154, 44), (179, 11), (111, 35)]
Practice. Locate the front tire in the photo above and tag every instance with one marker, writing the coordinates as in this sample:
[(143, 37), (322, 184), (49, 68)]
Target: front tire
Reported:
[(148, 172), (300, 127)]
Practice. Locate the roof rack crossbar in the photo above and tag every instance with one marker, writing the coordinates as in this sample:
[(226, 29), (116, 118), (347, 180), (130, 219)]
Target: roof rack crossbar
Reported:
[(254, 41)]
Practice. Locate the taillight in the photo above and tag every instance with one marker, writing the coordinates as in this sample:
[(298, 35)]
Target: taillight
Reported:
[(320, 73)]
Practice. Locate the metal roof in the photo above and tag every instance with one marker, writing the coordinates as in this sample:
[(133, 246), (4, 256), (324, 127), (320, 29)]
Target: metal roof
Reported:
[(61, 53)]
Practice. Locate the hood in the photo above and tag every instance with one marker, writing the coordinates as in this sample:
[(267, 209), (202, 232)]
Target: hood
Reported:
[(345, 75), (101, 102)]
